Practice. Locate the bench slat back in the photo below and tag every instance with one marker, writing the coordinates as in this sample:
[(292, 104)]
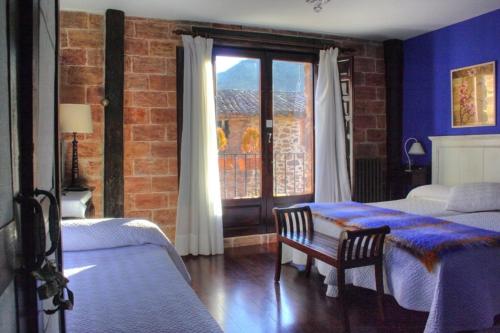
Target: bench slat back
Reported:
[(292, 221), (362, 245)]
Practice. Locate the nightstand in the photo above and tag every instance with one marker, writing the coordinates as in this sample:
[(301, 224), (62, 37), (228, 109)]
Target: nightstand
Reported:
[(405, 181), (77, 204), (418, 177)]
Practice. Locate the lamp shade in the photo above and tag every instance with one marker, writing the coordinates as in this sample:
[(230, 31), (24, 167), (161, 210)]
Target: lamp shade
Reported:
[(416, 149), (75, 118)]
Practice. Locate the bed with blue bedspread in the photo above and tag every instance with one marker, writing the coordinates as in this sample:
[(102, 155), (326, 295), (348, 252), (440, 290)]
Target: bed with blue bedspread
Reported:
[(448, 265)]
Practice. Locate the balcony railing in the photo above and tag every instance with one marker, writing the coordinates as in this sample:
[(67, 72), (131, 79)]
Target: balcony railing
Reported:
[(241, 175)]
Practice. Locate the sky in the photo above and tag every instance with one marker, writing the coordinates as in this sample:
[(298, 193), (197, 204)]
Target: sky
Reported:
[(223, 63)]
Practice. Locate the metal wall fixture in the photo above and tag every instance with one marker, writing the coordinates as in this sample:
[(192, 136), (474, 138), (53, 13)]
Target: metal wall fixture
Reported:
[(318, 4)]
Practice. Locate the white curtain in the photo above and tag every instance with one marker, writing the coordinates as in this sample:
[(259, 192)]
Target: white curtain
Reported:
[(199, 208), (331, 177)]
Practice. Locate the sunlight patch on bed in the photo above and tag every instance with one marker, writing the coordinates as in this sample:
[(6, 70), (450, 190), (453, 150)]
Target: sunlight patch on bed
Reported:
[(68, 272)]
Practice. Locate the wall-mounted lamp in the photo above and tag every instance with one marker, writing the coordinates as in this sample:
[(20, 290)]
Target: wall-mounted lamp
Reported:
[(415, 149)]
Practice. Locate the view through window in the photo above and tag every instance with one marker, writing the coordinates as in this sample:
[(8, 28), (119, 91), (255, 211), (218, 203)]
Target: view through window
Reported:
[(289, 130), (238, 110), (293, 128)]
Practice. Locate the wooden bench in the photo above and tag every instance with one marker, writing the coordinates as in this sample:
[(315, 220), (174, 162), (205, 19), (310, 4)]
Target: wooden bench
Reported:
[(295, 228)]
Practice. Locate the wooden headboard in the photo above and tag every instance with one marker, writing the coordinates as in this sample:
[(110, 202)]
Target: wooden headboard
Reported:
[(465, 158)]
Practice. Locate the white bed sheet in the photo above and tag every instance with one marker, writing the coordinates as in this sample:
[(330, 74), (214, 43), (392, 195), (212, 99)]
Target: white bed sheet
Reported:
[(127, 277), (461, 293), (420, 206), (132, 289)]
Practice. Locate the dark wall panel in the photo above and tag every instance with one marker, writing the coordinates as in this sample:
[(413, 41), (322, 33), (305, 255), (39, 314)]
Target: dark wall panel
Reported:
[(393, 56)]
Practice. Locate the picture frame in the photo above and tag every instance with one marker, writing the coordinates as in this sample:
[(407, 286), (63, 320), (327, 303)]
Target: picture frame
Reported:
[(473, 95)]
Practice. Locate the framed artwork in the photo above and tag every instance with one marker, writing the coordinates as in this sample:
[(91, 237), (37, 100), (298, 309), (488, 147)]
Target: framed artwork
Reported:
[(473, 101)]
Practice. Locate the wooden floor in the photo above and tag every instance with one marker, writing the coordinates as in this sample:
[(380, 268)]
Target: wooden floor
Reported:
[(239, 291)]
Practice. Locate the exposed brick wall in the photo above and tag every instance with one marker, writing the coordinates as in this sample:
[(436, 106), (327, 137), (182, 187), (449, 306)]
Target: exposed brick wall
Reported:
[(82, 82), (150, 105), (369, 102), (150, 122)]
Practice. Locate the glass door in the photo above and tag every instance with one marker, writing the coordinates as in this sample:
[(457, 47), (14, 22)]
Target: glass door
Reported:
[(293, 128), (238, 105), (265, 135)]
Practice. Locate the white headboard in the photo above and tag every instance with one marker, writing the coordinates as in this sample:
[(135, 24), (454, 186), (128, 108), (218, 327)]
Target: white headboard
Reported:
[(465, 158)]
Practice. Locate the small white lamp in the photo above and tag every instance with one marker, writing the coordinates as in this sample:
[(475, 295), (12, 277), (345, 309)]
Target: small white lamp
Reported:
[(75, 118), (415, 149)]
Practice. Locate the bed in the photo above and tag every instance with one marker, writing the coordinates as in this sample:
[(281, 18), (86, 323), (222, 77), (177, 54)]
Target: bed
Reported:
[(127, 277), (463, 291)]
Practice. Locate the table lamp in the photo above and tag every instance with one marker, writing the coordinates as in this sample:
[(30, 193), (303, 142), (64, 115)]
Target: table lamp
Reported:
[(75, 118), (415, 149)]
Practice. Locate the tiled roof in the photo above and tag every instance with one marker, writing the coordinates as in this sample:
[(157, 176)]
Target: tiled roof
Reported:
[(247, 102)]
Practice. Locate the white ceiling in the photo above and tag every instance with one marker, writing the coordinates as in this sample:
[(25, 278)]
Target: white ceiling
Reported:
[(370, 19)]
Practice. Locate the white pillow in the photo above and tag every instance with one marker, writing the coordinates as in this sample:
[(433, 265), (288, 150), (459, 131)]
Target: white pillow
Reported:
[(474, 197), (433, 192)]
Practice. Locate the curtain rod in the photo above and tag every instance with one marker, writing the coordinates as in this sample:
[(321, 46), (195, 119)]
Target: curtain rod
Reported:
[(263, 38)]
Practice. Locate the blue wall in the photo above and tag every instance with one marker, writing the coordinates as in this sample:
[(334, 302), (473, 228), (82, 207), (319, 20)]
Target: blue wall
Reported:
[(428, 60)]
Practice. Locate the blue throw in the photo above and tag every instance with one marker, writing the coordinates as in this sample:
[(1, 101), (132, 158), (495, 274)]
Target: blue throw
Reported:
[(427, 238)]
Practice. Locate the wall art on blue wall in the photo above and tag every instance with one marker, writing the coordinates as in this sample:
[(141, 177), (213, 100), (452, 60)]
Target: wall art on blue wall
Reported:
[(473, 96)]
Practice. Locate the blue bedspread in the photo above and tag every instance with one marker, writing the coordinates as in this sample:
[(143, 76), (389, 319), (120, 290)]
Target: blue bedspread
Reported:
[(427, 238)]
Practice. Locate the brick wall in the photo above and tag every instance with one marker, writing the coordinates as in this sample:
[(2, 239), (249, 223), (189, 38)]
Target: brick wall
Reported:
[(150, 122), (150, 105), (82, 82), (369, 102)]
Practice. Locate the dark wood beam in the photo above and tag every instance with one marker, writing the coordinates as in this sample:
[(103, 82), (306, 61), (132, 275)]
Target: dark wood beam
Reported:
[(113, 119), (393, 56)]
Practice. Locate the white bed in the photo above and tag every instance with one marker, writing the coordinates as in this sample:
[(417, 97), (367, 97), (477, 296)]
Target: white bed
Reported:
[(463, 290), (127, 277)]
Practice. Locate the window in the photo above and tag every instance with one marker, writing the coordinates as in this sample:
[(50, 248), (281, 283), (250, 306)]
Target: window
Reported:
[(265, 132)]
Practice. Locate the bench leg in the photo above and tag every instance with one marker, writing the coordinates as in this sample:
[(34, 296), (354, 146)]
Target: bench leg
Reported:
[(277, 272), (309, 265), (379, 279), (342, 299)]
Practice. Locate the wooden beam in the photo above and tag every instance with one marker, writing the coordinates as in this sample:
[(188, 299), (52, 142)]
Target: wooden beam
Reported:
[(113, 119), (393, 54)]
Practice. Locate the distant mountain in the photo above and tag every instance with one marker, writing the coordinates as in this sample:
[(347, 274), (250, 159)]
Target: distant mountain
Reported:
[(287, 76)]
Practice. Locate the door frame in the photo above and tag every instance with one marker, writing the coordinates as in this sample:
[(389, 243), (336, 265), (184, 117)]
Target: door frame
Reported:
[(228, 205), (9, 227), (27, 33), (28, 15)]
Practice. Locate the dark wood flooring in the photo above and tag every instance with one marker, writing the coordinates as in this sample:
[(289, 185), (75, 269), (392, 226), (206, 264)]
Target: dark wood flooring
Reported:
[(239, 290)]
